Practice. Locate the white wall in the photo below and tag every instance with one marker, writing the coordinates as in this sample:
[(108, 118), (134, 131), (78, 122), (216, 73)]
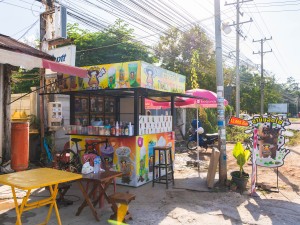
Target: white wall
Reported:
[(30, 102), (21, 104), (60, 137)]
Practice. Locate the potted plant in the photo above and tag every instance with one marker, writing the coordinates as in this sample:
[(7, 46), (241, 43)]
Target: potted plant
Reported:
[(240, 178)]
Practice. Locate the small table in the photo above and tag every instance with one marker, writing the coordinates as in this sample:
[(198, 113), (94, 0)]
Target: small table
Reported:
[(99, 180), (33, 179)]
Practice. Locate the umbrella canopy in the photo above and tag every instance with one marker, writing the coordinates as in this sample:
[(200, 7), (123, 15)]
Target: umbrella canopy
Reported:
[(208, 99), (150, 104)]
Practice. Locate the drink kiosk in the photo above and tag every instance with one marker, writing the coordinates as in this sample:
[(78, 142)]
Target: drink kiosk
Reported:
[(108, 106)]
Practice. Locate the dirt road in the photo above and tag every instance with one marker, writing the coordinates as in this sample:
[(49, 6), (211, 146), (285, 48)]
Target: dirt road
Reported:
[(190, 202)]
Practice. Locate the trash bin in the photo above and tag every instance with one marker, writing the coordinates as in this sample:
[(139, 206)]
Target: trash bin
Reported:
[(19, 145)]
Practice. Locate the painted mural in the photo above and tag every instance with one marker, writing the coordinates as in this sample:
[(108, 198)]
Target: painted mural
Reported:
[(133, 156), (123, 75)]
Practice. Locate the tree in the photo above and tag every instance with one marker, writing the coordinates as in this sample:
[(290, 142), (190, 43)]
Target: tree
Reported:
[(114, 44), (291, 95), (190, 53), (22, 81), (250, 91)]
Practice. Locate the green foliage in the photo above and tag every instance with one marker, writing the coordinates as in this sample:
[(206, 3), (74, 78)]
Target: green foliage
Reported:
[(112, 45), (236, 133), (22, 81), (242, 156), (189, 53), (294, 140), (250, 91)]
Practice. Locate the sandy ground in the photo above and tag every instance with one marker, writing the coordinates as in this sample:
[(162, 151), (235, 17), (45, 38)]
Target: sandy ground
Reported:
[(189, 201)]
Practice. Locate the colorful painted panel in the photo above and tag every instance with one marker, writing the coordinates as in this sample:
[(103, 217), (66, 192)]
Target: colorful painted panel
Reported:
[(133, 156), (118, 75), (154, 77)]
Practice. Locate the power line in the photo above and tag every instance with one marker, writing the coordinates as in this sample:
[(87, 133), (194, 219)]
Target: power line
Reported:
[(29, 29), (20, 6)]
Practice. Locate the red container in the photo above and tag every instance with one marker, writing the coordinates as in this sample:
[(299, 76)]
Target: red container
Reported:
[(19, 145)]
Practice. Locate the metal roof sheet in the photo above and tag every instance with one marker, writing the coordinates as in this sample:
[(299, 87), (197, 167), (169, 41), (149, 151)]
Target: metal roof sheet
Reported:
[(11, 44)]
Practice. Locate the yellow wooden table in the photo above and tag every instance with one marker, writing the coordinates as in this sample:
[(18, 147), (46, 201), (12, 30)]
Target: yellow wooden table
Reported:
[(33, 179)]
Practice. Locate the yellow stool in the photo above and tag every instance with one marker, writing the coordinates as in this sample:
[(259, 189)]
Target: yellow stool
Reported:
[(121, 213)]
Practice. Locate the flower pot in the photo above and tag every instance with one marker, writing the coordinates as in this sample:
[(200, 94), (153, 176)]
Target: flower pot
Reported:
[(241, 182)]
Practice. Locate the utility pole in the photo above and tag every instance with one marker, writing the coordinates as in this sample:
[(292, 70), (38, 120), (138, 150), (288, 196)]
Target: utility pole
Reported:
[(262, 82), (43, 43), (238, 33), (220, 94)]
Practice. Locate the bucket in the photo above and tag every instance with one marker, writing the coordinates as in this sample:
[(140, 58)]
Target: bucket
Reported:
[(19, 145)]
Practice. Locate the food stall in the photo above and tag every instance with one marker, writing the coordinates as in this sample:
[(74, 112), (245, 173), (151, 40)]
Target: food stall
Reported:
[(108, 106)]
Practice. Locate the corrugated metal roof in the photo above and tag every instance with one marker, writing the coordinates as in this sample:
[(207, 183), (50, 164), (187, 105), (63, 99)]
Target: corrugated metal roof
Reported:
[(11, 44)]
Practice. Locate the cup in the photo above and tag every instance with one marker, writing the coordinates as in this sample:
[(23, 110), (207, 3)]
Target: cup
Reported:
[(90, 130), (73, 129), (78, 129), (101, 130), (107, 153), (84, 130)]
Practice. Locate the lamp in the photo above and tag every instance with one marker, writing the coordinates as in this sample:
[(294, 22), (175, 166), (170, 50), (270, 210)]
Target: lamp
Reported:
[(226, 27)]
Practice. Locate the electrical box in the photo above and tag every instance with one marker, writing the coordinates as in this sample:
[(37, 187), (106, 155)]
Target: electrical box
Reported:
[(54, 22), (54, 115)]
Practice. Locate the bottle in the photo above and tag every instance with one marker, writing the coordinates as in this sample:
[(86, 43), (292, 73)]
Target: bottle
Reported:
[(97, 162), (130, 129), (117, 129), (123, 129), (126, 132), (113, 130), (120, 128)]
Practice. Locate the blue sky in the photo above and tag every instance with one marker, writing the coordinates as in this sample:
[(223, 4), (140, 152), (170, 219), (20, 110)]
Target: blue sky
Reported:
[(276, 18)]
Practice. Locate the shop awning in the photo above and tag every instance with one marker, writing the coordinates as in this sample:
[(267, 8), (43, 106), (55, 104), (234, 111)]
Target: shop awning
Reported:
[(63, 68), (29, 62)]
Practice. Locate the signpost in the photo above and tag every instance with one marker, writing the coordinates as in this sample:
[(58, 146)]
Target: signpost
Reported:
[(268, 142)]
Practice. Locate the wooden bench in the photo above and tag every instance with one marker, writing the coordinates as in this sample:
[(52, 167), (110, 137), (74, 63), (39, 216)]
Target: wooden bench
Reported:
[(120, 202)]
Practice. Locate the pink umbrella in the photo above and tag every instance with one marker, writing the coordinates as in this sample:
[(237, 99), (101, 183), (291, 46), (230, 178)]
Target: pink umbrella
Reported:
[(208, 99)]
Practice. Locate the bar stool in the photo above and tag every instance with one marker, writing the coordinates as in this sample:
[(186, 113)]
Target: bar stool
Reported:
[(166, 163)]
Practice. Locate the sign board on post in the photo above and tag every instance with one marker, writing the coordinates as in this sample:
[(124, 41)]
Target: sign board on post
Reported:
[(278, 108), (268, 142)]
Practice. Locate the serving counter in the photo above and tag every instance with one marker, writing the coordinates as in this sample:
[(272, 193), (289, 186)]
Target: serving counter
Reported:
[(131, 155)]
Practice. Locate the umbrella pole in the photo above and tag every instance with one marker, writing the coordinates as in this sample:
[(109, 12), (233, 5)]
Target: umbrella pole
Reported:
[(198, 161), (197, 139)]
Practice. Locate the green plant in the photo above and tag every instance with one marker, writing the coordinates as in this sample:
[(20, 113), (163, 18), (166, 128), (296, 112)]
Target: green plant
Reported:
[(294, 140), (242, 156), (236, 133)]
